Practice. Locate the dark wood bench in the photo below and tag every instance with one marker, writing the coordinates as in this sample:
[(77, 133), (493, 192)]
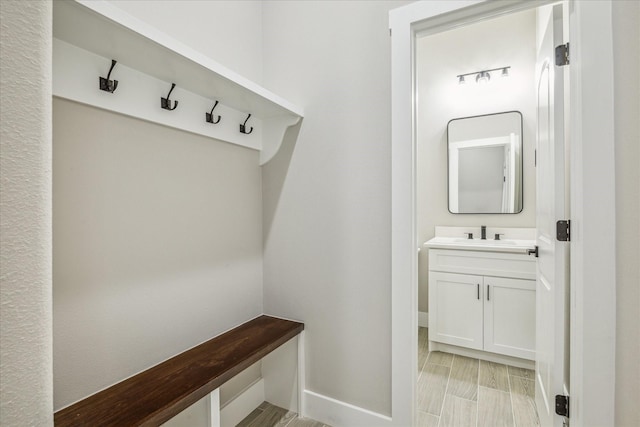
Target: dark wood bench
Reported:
[(156, 395)]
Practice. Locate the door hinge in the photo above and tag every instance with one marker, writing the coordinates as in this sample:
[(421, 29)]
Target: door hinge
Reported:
[(562, 405), (562, 55), (563, 230)]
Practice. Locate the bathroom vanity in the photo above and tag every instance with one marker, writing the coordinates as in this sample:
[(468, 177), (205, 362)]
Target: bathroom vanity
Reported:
[(482, 294)]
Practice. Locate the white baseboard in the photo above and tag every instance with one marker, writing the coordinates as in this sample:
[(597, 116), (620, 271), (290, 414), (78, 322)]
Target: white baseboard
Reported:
[(483, 355), (423, 319), (341, 414), (242, 405)]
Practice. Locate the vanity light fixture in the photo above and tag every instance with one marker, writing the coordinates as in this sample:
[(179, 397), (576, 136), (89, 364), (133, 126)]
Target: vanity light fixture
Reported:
[(483, 76)]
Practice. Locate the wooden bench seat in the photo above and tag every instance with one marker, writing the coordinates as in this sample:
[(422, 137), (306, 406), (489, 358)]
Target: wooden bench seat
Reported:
[(156, 395)]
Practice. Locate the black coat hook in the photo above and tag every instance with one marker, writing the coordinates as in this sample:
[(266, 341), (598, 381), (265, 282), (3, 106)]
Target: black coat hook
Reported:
[(166, 102), (209, 116), (243, 127), (106, 84)]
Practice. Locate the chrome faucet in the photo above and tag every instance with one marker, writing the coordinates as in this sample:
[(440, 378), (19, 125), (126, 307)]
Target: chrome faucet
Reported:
[(483, 232)]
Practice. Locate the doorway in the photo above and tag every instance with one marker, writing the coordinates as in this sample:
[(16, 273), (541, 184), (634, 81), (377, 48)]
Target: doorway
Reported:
[(476, 85), (405, 23)]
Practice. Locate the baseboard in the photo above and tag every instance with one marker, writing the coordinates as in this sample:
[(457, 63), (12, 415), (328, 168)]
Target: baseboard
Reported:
[(423, 319), (483, 355), (341, 414), (242, 405)]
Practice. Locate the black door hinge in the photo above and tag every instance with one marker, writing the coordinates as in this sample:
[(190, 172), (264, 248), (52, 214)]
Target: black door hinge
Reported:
[(562, 55), (562, 405), (563, 230)]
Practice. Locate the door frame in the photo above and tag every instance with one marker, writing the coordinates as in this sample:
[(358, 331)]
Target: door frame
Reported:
[(592, 199)]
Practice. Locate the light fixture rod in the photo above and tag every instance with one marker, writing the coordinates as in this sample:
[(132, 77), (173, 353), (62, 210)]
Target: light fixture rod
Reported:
[(484, 71)]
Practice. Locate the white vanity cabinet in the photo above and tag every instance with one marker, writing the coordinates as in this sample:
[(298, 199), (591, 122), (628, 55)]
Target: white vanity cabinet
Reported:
[(510, 316), (456, 309), (483, 300)]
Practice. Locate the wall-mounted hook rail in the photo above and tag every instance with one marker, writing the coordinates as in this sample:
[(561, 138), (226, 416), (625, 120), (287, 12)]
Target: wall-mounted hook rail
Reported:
[(166, 102), (243, 127), (106, 84), (209, 116)]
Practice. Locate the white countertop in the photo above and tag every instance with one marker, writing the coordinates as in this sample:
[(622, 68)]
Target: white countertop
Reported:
[(514, 240), (490, 245)]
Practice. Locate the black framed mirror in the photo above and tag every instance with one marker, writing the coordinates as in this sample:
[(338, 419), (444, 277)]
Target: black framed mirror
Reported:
[(485, 164)]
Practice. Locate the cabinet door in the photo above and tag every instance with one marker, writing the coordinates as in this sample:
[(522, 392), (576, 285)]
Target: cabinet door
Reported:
[(455, 309), (510, 316)]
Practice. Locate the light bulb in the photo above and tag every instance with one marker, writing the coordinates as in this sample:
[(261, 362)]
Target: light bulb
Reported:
[(483, 77)]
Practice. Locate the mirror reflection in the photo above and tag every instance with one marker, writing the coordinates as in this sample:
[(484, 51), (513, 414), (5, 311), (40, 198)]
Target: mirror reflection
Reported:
[(485, 163)]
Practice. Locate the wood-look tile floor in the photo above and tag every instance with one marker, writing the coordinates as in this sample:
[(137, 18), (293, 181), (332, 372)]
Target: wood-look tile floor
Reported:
[(268, 415), (464, 392)]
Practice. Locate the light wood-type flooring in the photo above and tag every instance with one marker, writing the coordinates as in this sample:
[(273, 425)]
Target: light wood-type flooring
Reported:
[(453, 391), (268, 415), (464, 392)]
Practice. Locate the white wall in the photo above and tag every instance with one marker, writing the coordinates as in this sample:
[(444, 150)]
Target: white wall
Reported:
[(626, 36), (327, 201), (26, 392), (157, 232), (228, 31), (504, 41), (157, 244)]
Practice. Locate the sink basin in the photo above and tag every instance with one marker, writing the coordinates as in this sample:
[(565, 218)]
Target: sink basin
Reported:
[(481, 242), (461, 243)]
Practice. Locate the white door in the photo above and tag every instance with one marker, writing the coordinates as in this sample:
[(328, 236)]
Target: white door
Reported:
[(551, 278), (510, 316), (455, 309)]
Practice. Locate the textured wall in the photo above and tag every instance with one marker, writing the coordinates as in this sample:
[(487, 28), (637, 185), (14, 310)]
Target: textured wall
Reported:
[(442, 56), (626, 38), (25, 214)]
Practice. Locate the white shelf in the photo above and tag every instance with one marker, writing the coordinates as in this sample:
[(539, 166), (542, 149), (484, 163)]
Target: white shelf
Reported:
[(88, 34)]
